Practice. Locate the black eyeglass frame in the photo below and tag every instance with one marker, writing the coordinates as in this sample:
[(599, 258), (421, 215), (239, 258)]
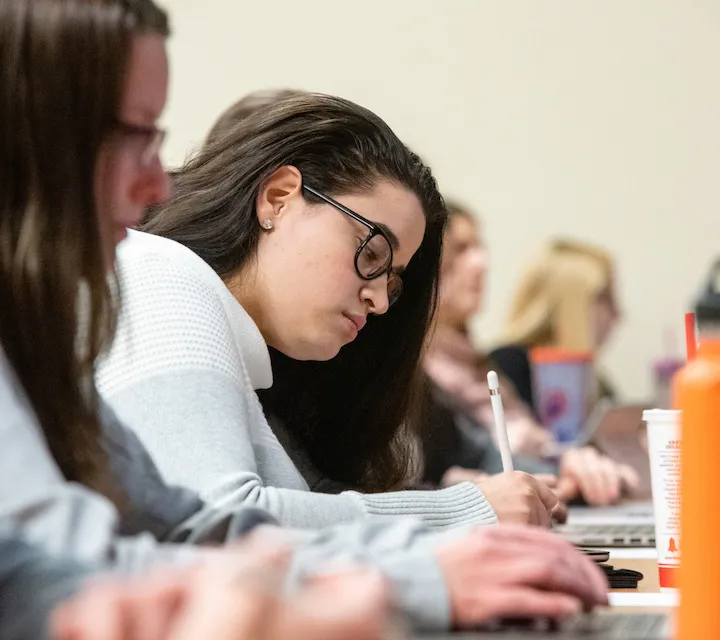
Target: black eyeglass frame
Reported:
[(154, 136), (374, 231)]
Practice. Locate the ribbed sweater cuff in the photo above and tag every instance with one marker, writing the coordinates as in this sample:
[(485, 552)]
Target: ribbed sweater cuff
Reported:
[(460, 504)]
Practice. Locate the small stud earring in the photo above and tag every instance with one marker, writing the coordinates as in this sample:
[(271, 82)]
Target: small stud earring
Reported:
[(267, 224)]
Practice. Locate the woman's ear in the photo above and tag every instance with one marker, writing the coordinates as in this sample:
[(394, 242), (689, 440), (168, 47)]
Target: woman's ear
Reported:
[(276, 194)]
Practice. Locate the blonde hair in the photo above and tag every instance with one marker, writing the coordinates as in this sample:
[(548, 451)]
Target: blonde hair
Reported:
[(553, 304)]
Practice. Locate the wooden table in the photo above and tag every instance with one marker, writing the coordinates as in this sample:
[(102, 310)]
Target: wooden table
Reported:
[(649, 584)]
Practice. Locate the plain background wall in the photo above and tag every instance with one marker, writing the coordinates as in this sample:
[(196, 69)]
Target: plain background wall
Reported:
[(598, 119)]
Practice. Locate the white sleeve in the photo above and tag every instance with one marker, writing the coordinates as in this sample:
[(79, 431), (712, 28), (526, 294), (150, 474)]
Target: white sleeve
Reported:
[(175, 376)]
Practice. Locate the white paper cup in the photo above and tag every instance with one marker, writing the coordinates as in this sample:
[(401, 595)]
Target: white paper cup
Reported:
[(663, 438)]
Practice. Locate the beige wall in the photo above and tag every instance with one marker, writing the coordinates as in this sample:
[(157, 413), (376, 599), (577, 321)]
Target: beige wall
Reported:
[(593, 118)]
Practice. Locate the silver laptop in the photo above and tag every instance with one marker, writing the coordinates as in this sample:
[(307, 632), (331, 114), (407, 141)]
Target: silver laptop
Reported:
[(605, 625), (630, 525)]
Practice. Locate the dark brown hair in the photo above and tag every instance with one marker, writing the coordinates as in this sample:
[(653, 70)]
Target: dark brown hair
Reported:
[(351, 414), (246, 106), (62, 71)]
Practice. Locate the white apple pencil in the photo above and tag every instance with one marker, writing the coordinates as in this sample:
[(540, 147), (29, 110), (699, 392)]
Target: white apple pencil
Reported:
[(499, 415)]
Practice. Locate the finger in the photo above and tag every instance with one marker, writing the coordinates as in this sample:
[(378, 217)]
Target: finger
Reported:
[(154, 603), (523, 602), (581, 565), (527, 542), (607, 481), (606, 478), (560, 513), (545, 494), (94, 615), (594, 482), (599, 581), (540, 516), (589, 478), (62, 621), (532, 492), (612, 480), (547, 478), (564, 574), (593, 575), (567, 489), (629, 477), (223, 611)]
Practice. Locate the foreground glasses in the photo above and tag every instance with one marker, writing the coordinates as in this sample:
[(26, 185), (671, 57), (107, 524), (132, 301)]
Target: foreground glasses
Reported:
[(150, 138), (374, 256)]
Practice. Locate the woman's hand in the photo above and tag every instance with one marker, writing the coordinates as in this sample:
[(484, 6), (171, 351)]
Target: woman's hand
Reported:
[(510, 571), (519, 498), (597, 478), (233, 595)]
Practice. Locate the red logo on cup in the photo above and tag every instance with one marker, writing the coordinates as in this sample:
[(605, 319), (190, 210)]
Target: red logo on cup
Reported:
[(555, 405)]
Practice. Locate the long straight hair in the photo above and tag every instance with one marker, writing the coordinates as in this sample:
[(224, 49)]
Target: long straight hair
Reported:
[(353, 414), (62, 71)]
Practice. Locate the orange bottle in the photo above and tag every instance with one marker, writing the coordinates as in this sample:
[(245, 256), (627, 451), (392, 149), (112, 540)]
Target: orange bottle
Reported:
[(697, 395)]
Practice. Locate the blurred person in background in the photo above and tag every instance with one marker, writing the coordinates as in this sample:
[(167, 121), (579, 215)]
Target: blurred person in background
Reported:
[(566, 299), (459, 372)]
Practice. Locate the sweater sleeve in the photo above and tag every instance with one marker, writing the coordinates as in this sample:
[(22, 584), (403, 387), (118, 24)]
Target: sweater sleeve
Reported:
[(402, 550), (67, 520), (32, 584), (176, 377), (39, 506)]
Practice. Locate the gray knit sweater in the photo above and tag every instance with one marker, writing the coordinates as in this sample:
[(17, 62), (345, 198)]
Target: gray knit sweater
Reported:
[(158, 521), (182, 374), (32, 584)]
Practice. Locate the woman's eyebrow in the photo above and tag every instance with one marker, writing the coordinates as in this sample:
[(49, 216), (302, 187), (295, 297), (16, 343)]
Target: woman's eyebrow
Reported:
[(394, 243)]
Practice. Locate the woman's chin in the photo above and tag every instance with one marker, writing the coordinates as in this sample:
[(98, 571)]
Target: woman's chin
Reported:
[(317, 351), (327, 352)]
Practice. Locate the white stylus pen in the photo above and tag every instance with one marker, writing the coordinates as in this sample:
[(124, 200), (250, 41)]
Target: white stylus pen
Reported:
[(499, 415)]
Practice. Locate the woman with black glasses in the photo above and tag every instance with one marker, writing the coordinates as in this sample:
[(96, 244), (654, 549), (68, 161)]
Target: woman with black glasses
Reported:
[(293, 236)]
